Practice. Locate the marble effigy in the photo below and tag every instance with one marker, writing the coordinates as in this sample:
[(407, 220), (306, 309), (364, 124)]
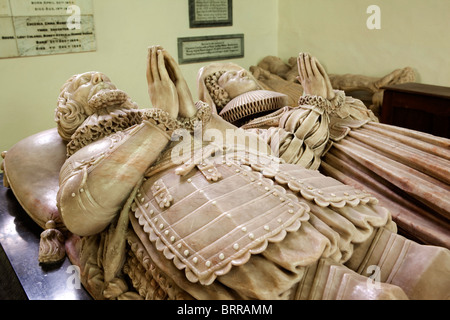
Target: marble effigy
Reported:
[(174, 202), (407, 170)]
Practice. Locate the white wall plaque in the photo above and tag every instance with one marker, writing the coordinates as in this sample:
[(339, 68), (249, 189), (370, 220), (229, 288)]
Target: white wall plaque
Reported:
[(43, 27)]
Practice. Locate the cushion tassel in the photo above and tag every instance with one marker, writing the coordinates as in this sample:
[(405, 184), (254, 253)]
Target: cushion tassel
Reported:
[(51, 245)]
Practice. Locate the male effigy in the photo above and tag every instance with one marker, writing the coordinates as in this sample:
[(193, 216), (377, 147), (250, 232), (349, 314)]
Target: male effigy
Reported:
[(163, 199)]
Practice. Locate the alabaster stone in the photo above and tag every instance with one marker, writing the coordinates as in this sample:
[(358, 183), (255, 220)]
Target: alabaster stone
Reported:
[(282, 77), (153, 216), (212, 72), (31, 169), (406, 169), (258, 102)]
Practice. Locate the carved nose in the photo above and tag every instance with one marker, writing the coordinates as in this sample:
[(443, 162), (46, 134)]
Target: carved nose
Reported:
[(97, 78), (242, 74)]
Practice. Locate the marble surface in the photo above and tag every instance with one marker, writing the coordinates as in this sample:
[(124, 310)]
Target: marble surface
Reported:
[(19, 237)]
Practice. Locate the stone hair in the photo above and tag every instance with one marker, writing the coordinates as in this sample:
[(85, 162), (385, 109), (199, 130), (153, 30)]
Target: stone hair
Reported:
[(69, 114), (217, 93)]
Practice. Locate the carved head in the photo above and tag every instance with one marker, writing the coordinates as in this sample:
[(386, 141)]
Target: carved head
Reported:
[(225, 85), (235, 94), (83, 95), (236, 83), (219, 83)]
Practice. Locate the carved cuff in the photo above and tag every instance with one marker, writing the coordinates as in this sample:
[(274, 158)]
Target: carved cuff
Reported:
[(323, 103), (316, 101), (160, 119), (203, 116), (338, 101)]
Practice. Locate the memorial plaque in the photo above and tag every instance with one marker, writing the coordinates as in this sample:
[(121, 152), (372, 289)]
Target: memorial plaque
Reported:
[(210, 13), (43, 27), (208, 48)]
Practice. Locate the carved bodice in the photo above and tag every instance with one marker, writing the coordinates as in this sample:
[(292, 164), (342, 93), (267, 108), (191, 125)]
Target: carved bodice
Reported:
[(220, 213)]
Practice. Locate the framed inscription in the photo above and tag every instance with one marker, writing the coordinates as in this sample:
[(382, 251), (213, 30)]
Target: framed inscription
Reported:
[(209, 48), (210, 13), (38, 27)]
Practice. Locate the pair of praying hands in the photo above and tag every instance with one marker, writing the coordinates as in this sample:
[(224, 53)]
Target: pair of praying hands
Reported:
[(313, 77), (167, 87)]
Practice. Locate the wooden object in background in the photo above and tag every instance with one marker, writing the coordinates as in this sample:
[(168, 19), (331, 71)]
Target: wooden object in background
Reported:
[(419, 107)]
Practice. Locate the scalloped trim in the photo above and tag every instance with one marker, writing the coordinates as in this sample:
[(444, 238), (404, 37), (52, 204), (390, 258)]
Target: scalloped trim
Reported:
[(335, 195), (251, 239)]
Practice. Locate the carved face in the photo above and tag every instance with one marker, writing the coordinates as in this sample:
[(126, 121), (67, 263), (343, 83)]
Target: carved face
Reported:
[(84, 86), (236, 83)]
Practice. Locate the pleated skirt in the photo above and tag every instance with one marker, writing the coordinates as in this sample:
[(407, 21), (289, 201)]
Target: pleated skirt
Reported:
[(408, 171)]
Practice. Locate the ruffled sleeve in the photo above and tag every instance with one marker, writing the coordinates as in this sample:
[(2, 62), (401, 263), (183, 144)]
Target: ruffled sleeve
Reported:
[(301, 137), (349, 113)]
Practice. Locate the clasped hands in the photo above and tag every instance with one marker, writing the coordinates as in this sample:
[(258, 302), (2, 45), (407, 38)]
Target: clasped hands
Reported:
[(167, 87), (313, 77)]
